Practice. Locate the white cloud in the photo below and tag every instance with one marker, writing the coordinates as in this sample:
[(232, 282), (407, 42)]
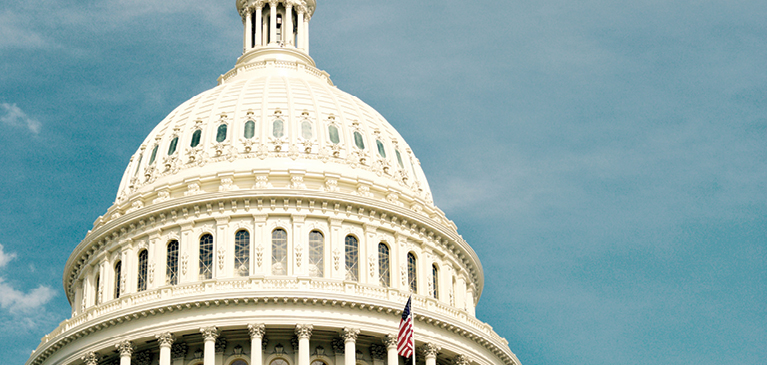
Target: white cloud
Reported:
[(12, 115), (17, 302), (5, 257)]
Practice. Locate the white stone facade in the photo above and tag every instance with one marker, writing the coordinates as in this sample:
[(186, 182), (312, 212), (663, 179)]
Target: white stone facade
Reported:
[(272, 220)]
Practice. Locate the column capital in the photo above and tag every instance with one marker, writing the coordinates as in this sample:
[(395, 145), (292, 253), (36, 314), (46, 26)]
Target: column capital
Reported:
[(430, 350), (256, 330), (273, 3), (350, 334), (165, 339), (91, 358), (461, 360), (209, 333), (304, 330), (390, 341), (125, 348)]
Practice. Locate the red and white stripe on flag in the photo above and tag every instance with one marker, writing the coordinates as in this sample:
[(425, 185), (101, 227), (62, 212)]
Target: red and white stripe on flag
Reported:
[(405, 339)]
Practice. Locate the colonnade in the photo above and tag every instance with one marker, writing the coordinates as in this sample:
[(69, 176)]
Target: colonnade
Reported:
[(303, 332), (257, 34)]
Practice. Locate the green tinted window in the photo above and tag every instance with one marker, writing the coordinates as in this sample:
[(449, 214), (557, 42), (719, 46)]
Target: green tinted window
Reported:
[(399, 159), (381, 149), (278, 129), (250, 129), (333, 132), (196, 138), (306, 130), (358, 140), (221, 134), (172, 147), (154, 154)]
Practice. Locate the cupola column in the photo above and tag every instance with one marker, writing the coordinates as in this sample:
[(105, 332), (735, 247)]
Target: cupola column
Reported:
[(287, 31), (273, 22), (256, 347), (303, 332), (306, 32), (430, 351), (209, 335), (125, 348), (350, 345), (392, 357), (166, 341), (300, 29), (248, 39), (259, 31)]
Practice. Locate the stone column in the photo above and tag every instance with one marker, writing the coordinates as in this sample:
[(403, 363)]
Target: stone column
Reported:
[(350, 349), (300, 31), (91, 358), (306, 33), (287, 31), (430, 351), (248, 39), (125, 348), (259, 31), (303, 332), (209, 335), (392, 357), (273, 22), (461, 360), (166, 341), (256, 350)]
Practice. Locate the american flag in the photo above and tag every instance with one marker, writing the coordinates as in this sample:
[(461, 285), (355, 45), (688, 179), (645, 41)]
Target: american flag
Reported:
[(405, 340)]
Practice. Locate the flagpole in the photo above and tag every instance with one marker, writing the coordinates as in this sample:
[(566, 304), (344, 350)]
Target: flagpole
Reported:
[(412, 320)]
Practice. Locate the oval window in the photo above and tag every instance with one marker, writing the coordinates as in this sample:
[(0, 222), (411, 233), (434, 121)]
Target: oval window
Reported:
[(358, 140), (221, 134), (138, 165), (196, 138), (381, 150), (154, 154), (250, 129), (306, 130), (333, 132), (399, 159), (172, 147), (278, 129)]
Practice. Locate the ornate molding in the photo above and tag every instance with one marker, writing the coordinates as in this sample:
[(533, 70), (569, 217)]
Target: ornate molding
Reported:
[(178, 350), (350, 334), (91, 358), (209, 333), (165, 339), (461, 360), (257, 330), (303, 330), (430, 349), (125, 348), (390, 341)]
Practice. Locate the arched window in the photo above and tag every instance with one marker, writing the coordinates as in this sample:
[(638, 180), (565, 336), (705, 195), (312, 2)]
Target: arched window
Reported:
[(278, 128), (452, 293), (381, 149), (279, 252), (333, 134), (352, 258), (242, 252), (435, 281), (154, 154), (196, 138), (206, 256), (171, 263), (399, 159), (118, 273), (316, 254), (221, 133), (143, 261), (96, 297), (384, 275), (172, 147), (138, 165), (279, 362), (239, 362), (306, 130), (250, 129), (318, 362), (412, 273), (359, 141)]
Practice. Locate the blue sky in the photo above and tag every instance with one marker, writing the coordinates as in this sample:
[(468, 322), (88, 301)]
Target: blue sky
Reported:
[(606, 160)]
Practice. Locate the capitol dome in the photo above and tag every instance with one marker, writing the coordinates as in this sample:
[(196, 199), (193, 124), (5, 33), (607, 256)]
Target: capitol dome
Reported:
[(272, 220)]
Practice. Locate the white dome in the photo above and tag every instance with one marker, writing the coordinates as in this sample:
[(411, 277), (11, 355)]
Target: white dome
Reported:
[(294, 109)]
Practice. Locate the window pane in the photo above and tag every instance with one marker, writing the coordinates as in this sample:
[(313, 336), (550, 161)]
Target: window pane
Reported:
[(206, 257), (172, 147), (435, 281), (143, 261), (250, 129), (352, 258), (306, 130), (154, 154), (118, 273), (381, 149), (279, 252), (358, 140), (384, 274), (399, 159), (221, 134), (242, 253), (171, 265), (196, 138), (278, 129), (316, 254), (96, 289), (411, 273), (333, 133), (138, 165)]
